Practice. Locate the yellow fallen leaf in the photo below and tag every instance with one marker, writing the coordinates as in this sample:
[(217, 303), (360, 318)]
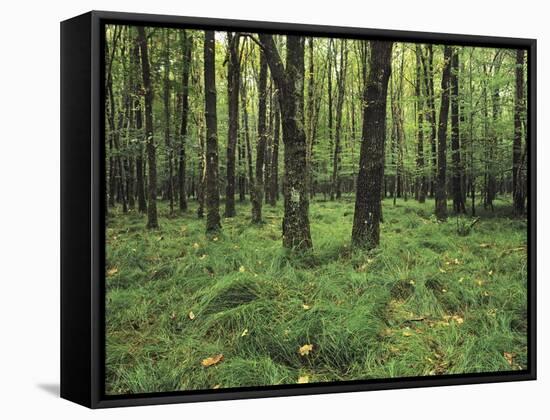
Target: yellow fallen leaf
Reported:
[(305, 349), (242, 269), (173, 316), (407, 333), (217, 386), (215, 238), (191, 315), (112, 271), (490, 272), (442, 271), (210, 361), (202, 257), (306, 307), (303, 379), (196, 245), (245, 332), (509, 357)]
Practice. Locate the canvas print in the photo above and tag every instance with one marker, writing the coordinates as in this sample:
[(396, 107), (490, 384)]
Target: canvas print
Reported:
[(285, 210)]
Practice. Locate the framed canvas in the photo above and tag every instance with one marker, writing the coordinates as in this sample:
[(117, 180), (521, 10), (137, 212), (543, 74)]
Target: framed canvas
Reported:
[(254, 209)]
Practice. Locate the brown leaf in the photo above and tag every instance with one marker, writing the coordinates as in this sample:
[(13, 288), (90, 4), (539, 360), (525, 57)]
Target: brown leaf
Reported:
[(509, 357), (305, 349), (191, 315), (210, 361), (112, 271)]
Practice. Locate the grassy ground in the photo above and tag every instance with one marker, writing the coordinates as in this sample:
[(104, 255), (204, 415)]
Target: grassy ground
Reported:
[(429, 301)]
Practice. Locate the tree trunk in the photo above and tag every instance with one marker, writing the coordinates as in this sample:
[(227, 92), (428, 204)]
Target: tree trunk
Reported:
[(420, 170), (213, 221), (518, 190), (152, 218), (257, 196), (290, 84), (340, 81), (233, 76), (187, 48), (441, 187), (458, 197), (368, 207), (274, 189), (167, 139)]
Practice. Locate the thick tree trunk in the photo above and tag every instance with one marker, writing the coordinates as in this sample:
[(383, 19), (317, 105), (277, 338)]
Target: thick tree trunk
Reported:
[(213, 221), (187, 48), (368, 207), (257, 196), (152, 218), (458, 196), (233, 78), (441, 187), (518, 188), (290, 84)]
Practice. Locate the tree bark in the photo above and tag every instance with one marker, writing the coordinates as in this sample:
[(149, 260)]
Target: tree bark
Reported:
[(518, 189), (458, 197), (233, 81), (167, 139), (290, 84), (257, 196), (441, 187), (187, 49), (340, 82), (420, 170), (274, 188), (213, 221), (368, 207), (152, 218)]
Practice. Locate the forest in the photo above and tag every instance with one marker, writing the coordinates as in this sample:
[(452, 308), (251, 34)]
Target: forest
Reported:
[(284, 209)]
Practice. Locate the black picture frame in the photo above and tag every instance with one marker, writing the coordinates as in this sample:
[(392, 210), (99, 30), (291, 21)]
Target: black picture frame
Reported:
[(83, 209)]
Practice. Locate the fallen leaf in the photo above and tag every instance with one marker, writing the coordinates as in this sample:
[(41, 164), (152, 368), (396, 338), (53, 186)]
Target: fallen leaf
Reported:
[(112, 271), (305, 349), (485, 245), (407, 333), (303, 379), (196, 245), (217, 386), (191, 315), (210, 361), (173, 316), (509, 357), (306, 307), (215, 238), (242, 269), (202, 257), (245, 332), (490, 272)]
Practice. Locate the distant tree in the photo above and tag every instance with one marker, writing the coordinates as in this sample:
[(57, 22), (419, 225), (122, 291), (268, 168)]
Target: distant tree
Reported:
[(458, 196), (368, 208), (421, 184), (518, 190)]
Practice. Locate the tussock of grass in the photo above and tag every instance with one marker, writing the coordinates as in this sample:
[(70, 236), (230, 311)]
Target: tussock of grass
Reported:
[(426, 302)]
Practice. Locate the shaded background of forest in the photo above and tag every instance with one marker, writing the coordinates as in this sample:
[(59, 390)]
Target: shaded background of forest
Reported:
[(454, 119)]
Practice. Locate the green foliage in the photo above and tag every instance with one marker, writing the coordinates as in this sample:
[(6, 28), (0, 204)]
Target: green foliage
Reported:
[(428, 301)]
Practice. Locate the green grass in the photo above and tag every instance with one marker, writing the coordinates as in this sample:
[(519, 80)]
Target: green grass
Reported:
[(428, 301)]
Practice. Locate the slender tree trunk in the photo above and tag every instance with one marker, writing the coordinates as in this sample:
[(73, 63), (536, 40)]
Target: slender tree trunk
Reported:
[(187, 49), (458, 197), (517, 178), (441, 187), (213, 221), (233, 75), (340, 81), (140, 184), (274, 190), (167, 139), (420, 170), (152, 218), (290, 84), (368, 207), (257, 196)]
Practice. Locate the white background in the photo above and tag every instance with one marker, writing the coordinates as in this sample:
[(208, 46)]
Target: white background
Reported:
[(29, 207)]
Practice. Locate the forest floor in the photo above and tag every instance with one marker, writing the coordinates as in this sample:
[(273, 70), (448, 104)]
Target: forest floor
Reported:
[(428, 301)]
